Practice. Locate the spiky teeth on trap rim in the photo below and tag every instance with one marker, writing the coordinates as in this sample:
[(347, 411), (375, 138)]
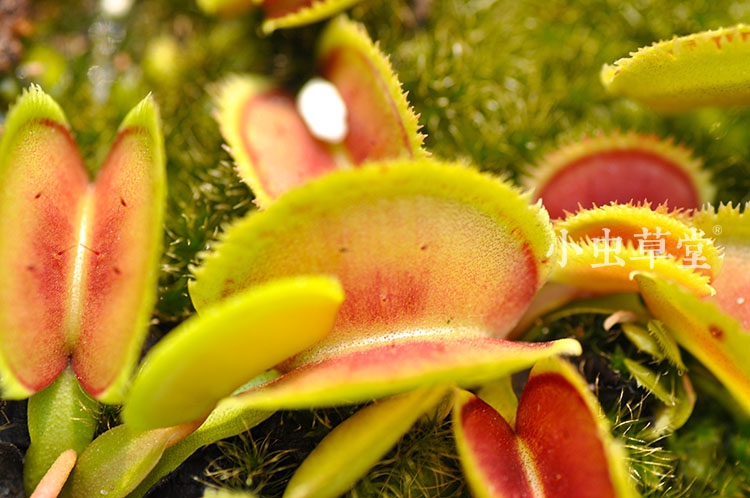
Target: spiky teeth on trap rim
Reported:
[(709, 68), (619, 167)]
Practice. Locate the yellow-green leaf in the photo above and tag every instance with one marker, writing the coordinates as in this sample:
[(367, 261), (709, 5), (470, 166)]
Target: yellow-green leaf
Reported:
[(715, 339), (355, 445), (209, 356), (709, 68), (61, 417), (115, 462), (417, 245), (399, 365), (600, 249), (230, 418)]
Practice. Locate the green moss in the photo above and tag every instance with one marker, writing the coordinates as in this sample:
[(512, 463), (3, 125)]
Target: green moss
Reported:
[(422, 464), (706, 462), (652, 465)]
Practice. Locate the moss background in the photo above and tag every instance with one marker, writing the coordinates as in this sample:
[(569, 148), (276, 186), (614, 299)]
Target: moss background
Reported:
[(497, 83)]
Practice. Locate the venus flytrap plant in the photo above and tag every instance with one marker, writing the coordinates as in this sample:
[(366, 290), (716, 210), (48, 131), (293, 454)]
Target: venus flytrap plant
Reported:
[(662, 77), (619, 167), (701, 69), (399, 237), (684, 317), (81, 264), (676, 75), (397, 329), (88, 254), (270, 141), (557, 444), (233, 342), (604, 246), (713, 328), (564, 181), (406, 322), (81, 258)]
